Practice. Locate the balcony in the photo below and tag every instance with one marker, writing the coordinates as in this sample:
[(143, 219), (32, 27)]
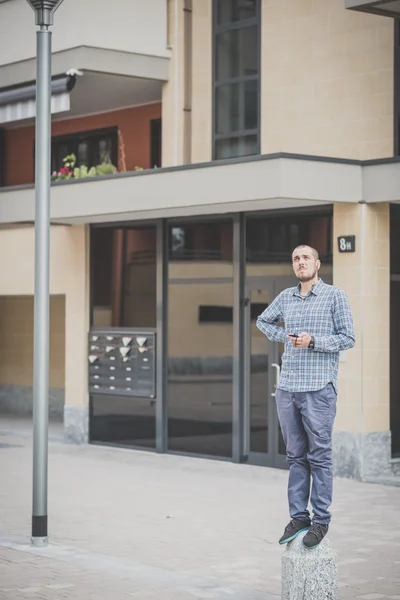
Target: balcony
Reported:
[(256, 183), (384, 8), (128, 39)]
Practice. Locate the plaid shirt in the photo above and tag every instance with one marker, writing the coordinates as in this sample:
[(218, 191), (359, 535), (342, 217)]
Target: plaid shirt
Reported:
[(324, 314)]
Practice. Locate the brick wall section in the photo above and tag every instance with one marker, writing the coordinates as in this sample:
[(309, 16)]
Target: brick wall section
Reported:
[(133, 123)]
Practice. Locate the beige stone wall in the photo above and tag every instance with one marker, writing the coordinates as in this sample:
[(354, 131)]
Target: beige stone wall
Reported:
[(173, 91), (172, 95), (326, 84), (327, 80), (16, 349), (364, 400), (69, 288)]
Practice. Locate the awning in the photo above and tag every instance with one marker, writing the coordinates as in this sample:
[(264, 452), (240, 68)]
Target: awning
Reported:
[(19, 103)]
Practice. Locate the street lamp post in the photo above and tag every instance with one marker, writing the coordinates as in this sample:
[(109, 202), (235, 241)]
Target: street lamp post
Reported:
[(44, 10)]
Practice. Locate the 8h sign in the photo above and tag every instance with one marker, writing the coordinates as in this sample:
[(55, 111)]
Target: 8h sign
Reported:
[(347, 243)]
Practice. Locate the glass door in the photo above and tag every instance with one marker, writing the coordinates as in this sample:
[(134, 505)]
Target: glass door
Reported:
[(257, 376), (263, 442), (277, 443)]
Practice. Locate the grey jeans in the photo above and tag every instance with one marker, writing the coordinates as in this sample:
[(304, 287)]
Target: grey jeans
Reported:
[(306, 420)]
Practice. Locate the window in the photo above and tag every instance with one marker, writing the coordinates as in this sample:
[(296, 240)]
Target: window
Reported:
[(123, 283), (236, 77), (272, 239), (2, 155), (200, 337), (155, 143), (210, 241), (91, 148), (235, 10)]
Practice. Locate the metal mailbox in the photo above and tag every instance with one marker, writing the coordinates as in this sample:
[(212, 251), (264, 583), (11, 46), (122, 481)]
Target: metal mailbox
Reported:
[(122, 362)]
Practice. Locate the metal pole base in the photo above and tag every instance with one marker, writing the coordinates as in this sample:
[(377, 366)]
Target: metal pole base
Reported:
[(40, 542)]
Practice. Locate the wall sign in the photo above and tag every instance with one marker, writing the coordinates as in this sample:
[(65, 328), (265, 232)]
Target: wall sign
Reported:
[(347, 243)]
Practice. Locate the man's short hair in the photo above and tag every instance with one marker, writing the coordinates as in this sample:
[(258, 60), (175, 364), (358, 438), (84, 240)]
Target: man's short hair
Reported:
[(313, 250)]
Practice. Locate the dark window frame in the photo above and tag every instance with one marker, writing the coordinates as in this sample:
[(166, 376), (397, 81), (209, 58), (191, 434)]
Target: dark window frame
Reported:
[(89, 136), (218, 29)]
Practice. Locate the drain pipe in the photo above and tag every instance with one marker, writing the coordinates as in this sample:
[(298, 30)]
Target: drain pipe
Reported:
[(188, 74), (176, 87)]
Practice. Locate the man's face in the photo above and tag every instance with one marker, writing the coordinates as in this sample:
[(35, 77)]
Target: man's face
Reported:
[(305, 265)]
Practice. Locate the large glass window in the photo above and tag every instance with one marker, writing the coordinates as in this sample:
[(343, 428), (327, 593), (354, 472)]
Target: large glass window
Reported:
[(123, 294), (271, 239), (236, 77), (123, 277), (200, 338), (122, 421)]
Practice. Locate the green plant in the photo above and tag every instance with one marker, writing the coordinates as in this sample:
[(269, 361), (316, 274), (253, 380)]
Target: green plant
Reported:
[(67, 171), (105, 168), (70, 171), (83, 172)]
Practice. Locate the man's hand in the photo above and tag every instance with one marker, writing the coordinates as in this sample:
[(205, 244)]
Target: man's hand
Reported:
[(301, 341)]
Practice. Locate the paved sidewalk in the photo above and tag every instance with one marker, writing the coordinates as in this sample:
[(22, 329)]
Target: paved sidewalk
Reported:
[(131, 524)]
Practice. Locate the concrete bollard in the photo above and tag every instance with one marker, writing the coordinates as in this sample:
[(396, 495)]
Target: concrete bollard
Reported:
[(309, 574)]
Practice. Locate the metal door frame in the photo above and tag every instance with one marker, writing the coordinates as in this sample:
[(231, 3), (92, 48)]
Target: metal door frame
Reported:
[(272, 458)]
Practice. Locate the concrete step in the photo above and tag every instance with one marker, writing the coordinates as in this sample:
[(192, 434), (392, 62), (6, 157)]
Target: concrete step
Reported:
[(392, 480), (395, 465)]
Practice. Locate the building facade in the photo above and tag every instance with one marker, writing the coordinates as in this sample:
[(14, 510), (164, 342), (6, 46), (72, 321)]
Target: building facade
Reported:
[(206, 140)]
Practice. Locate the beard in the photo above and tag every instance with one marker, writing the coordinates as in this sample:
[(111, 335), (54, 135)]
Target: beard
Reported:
[(306, 277)]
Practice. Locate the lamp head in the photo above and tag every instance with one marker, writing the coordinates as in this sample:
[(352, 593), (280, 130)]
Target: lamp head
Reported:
[(44, 10)]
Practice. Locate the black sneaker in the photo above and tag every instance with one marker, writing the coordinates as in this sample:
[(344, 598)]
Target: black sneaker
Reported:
[(315, 535), (293, 529)]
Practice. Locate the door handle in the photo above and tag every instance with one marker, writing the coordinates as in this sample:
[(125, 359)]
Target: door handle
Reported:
[(277, 373)]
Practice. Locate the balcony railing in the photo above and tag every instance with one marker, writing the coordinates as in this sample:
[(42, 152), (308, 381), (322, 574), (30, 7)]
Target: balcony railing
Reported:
[(270, 182)]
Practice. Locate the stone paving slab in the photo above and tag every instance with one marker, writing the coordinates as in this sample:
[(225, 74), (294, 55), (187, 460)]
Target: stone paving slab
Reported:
[(136, 524)]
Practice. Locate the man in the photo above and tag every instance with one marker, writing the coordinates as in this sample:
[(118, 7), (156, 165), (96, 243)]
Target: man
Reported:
[(317, 325)]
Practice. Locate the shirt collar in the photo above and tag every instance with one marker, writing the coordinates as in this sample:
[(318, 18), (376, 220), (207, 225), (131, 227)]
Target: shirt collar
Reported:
[(316, 288)]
